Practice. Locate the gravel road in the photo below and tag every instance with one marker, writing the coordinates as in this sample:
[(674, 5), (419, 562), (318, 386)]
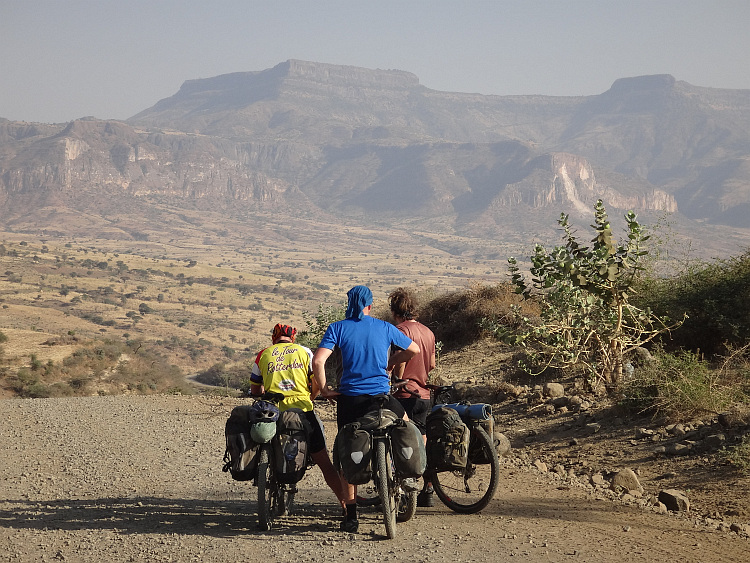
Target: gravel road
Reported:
[(138, 478)]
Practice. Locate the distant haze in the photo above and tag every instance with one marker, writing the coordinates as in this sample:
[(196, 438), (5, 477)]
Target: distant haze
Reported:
[(62, 60)]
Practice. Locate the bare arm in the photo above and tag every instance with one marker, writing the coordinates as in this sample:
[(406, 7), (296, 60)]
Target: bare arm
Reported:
[(432, 361), (403, 356), (319, 372), (314, 388)]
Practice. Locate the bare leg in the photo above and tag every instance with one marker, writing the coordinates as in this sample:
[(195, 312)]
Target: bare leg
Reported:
[(323, 461), (350, 491)]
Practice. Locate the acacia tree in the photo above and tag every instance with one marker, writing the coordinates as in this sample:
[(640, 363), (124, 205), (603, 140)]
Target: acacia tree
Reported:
[(586, 317)]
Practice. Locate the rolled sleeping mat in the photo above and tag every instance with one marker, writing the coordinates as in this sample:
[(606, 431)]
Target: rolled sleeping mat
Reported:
[(478, 411)]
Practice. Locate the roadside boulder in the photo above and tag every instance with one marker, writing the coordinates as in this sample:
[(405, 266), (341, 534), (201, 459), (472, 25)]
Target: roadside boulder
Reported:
[(554, 390), (502, 444), (627, 480), (674, 500)]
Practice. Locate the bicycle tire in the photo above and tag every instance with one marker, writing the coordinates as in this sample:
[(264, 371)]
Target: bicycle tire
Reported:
[(278, 503), (367, 495), (287, 503), (469, 490), (386, 485), (444, 398), (264, 484), (407, 506)]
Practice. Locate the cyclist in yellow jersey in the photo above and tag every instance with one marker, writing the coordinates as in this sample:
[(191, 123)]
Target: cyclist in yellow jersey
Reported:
[(286, 368)]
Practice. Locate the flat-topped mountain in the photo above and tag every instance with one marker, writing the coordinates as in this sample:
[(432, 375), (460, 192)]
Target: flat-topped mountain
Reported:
[(357, 143)]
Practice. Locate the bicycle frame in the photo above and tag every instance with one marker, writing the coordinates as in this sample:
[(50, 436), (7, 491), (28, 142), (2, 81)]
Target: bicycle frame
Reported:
[(274, 498)]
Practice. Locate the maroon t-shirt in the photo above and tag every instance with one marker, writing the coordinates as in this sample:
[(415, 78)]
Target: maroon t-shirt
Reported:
[(420, 365)]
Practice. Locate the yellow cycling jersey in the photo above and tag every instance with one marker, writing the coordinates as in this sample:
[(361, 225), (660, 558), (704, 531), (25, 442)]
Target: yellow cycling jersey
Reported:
[(285, 368)]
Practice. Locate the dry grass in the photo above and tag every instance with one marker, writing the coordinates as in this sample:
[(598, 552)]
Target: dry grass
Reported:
[(197, 301), (454, 317)]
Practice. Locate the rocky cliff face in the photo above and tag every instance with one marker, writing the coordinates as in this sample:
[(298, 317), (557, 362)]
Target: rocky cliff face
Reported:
[(351, 140)]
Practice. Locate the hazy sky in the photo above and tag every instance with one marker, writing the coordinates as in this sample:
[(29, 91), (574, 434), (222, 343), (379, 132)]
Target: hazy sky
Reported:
[(65, 59)]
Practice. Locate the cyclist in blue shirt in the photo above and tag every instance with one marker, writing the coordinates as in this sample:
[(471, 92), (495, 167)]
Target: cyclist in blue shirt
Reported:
[(366, 346)]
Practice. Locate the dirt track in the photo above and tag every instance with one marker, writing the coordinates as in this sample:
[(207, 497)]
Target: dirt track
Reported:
[(139, 479)]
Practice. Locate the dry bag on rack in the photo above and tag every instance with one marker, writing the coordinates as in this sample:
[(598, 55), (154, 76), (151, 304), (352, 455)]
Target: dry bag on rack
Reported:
[(447, 440)]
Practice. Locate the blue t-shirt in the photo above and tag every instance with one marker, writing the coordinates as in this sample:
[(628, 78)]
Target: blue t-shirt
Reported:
[(365, 347)]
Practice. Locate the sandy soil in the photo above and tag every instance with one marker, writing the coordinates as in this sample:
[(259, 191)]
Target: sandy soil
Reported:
[(139, 479)]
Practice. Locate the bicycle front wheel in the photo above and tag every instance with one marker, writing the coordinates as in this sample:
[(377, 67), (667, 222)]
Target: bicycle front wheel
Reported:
[(469, 490), (407, 506), (287, 502), (386, 486), (265, 495)]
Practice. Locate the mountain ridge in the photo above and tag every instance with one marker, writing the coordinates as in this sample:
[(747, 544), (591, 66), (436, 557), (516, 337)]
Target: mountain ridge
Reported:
[(350, 142)]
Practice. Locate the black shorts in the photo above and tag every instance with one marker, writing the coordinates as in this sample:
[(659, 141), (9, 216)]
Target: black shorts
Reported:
[(317, 437), (417, 410), (351, 408)]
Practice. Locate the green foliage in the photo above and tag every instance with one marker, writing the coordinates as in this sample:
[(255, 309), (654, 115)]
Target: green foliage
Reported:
[(679, 385), (34, 362), (739, 455), (3, 337), (230, 377), (586, 318), (716, 298), (317, 325)]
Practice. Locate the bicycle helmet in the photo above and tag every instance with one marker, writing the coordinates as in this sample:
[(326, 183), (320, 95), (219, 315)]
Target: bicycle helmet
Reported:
[(281, 330), (262, 432)]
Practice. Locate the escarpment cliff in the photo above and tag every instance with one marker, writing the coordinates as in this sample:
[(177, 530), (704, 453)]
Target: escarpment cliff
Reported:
[(356, 142)]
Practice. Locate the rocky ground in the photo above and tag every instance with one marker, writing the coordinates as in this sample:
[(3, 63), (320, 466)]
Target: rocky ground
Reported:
[(586, 441), (138, 478)]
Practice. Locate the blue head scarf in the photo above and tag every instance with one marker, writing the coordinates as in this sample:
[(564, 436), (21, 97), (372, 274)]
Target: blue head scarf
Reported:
[(360, 297)]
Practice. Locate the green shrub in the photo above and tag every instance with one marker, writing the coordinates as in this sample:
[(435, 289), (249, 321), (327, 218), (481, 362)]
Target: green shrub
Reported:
[(716, 298), (221, 375), (678, 385), (318, 323), (739, 455), (36, 390), (587, 320)]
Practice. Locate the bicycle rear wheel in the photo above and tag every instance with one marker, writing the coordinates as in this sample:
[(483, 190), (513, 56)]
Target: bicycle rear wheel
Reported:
[(287, 502), (386, 487), (471, 489), (407, 506), (265, 489), (367, 495)]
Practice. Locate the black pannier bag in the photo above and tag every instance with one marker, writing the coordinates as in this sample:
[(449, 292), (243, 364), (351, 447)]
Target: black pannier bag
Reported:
[(240, 456), (290, 446), (409, 454), (352, 453), (447, 440)]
